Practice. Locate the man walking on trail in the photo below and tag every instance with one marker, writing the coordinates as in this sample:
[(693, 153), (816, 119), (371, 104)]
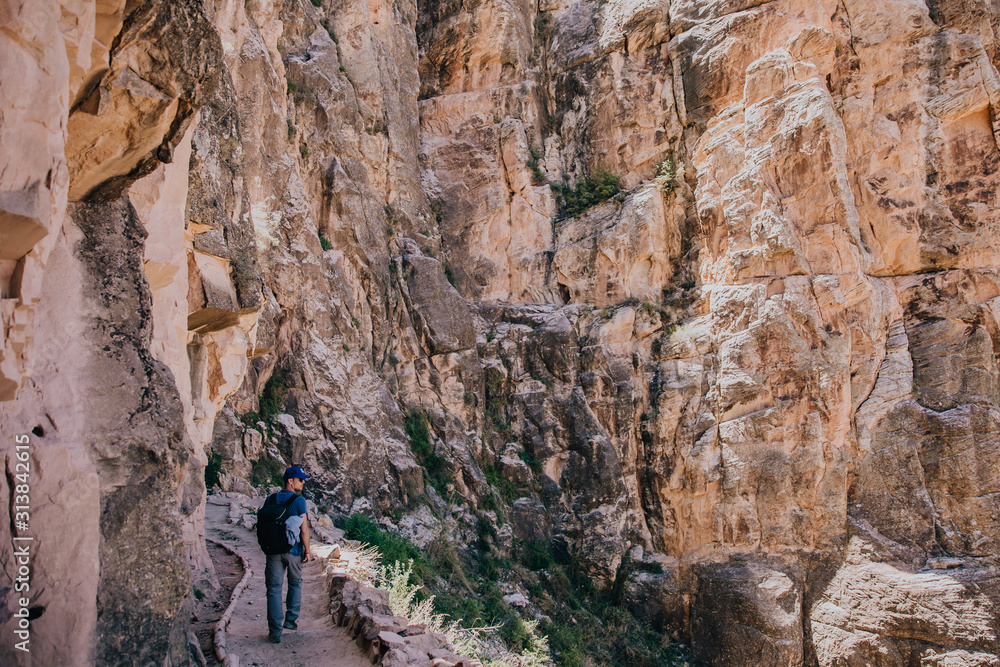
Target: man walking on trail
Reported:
[(292, 561)]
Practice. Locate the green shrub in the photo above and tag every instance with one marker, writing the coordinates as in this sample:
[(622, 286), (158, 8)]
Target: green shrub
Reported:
[(509, 491), (531, 461), (418, 431), (292, 87), (545, 380), (250, 419), (212, 470), (667, 174), (273, 397), (393, 359), (543, 25), (449, 274), (265, 472), (588, 192), (515, 634), (496, 406), (303, 150), (325, 243), (392, 547), (535, 555), (537, 174), (438, 472), (326, 26), (491, 503), (343, 69)]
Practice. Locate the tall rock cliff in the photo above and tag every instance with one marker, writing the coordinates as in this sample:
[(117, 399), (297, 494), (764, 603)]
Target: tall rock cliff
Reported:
[(385, 241)]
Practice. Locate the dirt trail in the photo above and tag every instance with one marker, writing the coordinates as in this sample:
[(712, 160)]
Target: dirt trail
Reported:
[(317, 642)]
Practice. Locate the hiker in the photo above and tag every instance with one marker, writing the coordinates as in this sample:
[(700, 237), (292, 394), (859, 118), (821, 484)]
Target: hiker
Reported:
[(281, 512)]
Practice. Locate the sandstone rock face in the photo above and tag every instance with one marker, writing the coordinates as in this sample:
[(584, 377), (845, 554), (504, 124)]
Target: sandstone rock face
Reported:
[(280, 231)]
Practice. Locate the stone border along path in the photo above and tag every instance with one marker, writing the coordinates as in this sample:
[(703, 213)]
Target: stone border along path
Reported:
[(219, 641), (390, 641), (317, 643)]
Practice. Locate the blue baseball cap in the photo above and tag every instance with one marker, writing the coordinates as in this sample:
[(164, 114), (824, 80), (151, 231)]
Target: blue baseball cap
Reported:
[(295, 472)]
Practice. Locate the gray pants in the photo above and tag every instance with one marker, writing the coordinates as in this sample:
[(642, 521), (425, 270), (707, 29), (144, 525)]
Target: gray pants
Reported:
[(274, 572)]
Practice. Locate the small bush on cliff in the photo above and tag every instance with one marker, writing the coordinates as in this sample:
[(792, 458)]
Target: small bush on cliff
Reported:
[(531, 461), (668, 173), (537, 174), (326, 26), (588, 192), (509, 491), (392, 547), (267, 472), (543, 26), (272, 399), (418, 431), (212, 470), (534, 555), (496, 406)]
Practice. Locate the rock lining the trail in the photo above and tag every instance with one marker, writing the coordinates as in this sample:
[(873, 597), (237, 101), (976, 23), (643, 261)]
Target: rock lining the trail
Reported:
[(226, 658), (388, 640)]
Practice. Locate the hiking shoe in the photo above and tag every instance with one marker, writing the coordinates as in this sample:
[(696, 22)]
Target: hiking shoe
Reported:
[(290, 625), (274, 639)]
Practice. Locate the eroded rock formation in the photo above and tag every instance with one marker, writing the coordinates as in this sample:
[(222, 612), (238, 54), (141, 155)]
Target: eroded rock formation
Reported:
[(768, 365)]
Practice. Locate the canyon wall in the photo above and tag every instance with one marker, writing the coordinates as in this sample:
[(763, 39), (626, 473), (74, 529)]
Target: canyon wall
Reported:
[(288, 231)]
